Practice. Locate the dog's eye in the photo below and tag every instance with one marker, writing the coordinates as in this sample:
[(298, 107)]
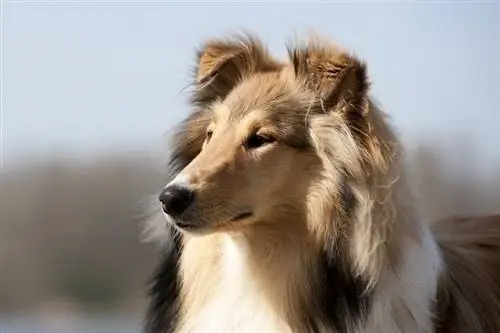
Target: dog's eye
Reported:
[(208, 135), (258, 140)]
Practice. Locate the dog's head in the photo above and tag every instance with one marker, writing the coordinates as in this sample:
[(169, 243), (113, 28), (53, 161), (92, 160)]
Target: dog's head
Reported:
[(266, 139)]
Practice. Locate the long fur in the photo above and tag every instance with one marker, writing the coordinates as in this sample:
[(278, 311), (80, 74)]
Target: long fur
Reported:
[(334, 244), (470, 286)]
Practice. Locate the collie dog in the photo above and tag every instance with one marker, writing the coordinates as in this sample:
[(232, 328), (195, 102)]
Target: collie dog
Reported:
[(288, 210)]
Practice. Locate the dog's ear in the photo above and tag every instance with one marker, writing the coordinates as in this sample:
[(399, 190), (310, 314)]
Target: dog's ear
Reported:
[(223, 63), (338, 79), (340, 85)]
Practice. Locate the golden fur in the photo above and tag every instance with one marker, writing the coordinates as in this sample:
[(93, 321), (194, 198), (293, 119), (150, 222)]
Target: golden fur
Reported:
[(327, 179)]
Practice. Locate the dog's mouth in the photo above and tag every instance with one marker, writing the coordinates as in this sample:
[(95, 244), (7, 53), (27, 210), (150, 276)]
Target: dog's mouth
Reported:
[(241, 216), (186, 226)]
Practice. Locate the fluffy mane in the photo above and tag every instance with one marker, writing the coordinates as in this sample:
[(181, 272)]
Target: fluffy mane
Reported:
[(349, 248)]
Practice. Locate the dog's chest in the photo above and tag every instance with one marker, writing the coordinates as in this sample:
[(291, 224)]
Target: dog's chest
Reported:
[(237, 305), (236, 314)]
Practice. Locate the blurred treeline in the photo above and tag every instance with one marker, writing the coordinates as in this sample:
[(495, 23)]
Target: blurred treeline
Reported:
[(70, 228)]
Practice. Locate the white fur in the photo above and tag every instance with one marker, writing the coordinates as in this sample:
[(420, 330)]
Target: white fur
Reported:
[(401, 302), (403, 298), (237, 305), (180, 180)]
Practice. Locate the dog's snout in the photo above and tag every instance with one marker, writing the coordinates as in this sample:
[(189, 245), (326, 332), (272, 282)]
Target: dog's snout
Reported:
[(176, 199)]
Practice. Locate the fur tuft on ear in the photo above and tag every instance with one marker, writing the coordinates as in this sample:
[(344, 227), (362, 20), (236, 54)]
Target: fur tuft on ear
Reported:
[(337, 78), (223, 63), (340, 84)]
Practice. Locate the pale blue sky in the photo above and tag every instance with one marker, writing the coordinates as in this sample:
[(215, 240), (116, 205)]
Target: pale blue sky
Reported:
[(83, 78)]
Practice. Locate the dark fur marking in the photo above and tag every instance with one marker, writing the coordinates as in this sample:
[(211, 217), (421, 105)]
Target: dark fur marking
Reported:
[(347, 198), (344, 300), (164, 299)]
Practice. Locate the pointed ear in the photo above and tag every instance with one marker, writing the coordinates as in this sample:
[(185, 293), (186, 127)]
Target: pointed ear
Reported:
[(223, 63), (337, 78), (340, 84)]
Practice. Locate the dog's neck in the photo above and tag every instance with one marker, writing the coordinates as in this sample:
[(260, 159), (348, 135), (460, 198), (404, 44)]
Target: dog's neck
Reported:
[(276, 269), (276, 266), (272, 267)]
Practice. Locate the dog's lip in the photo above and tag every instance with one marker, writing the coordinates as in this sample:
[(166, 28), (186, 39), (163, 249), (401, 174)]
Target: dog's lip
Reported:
[(184, 225), (242, 216), (181, 224)]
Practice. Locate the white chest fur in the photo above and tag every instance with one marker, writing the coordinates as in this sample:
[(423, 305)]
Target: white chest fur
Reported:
[(402, 299), (237, 305)]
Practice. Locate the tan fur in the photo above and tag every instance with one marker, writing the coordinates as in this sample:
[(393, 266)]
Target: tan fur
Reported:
[(331, 178), (272, 258), (470, 286)]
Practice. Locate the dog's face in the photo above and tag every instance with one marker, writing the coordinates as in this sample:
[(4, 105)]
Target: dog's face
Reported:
[(248, 153), (255, 159)]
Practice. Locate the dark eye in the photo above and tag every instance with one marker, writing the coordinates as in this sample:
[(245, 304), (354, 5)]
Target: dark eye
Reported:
[(208, 135), (258, 140)]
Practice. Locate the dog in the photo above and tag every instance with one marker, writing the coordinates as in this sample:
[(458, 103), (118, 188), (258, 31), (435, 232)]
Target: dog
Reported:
[(287, 209)]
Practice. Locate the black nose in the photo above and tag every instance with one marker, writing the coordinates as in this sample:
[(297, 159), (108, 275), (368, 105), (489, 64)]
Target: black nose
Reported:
[(176, 199)]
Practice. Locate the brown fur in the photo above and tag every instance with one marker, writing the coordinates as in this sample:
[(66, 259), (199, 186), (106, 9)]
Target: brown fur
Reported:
[(240, 90), (470, 288), (328, 183)]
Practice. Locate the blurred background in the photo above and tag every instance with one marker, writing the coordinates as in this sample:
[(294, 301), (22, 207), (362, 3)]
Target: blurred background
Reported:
[(89, 88)]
